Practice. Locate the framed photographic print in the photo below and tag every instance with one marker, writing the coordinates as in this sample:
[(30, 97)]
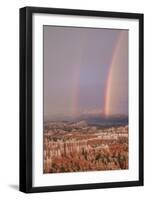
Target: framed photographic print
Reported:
[(81, 99)]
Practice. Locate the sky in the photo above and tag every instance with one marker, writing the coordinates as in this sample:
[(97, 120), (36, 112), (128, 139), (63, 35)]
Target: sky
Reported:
[(82, 67)]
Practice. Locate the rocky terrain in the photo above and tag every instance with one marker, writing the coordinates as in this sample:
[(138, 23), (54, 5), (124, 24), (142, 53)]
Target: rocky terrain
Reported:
[(74, 147)]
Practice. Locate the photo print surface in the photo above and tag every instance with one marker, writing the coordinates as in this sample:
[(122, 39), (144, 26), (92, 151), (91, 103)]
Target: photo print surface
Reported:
[(85, 99)]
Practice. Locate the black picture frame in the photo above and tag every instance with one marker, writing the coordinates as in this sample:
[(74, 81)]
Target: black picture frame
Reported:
[(26, 90)]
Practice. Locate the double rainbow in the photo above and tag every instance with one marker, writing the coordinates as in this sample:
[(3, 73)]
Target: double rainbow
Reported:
[(115, 90)]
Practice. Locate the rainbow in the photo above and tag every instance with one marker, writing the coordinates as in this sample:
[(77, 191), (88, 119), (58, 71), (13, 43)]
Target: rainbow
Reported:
[(118, 67), (108, 82)]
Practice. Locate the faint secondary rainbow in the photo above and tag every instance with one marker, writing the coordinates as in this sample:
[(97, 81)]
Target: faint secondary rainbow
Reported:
[(76, 79), (75, 90)]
